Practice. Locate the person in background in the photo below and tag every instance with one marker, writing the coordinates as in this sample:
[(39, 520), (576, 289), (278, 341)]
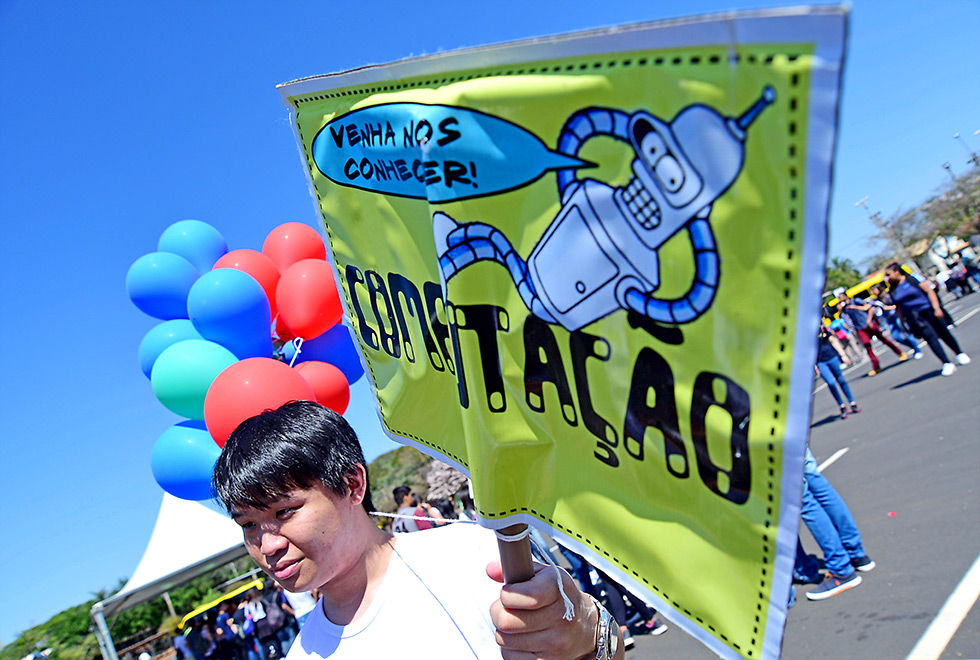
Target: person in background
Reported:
[(833, 528), (919, 306), (828, 368), (884, 307), (857, 312)]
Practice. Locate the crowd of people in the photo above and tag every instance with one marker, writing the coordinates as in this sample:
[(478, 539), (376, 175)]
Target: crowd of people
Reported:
[(910, 308), (257, 625)]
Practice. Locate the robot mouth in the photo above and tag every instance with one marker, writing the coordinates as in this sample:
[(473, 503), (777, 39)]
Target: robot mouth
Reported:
[(641, 204)]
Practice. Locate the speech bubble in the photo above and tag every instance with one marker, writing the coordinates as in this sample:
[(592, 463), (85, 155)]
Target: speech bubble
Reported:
[(441, 153)]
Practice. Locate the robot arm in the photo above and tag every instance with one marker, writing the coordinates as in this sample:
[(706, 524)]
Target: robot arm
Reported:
[(703, 288)]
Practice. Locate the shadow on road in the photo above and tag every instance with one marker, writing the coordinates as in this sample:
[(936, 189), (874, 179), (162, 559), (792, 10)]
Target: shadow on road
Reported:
[(918, 379), (826, 420)]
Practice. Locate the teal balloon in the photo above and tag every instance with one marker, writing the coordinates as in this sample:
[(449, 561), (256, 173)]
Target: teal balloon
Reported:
[(198, 242), (161, 337), (183, 373), (183, 459), (230, 307), (158, 283)]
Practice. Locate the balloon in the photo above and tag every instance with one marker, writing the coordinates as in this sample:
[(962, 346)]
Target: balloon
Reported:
[(158, 284), (229, 307), (198, 242), (328, 383), (282, 331), (258, 266), (183, 459), (335, 347), (248, 388), (183, 373), (307, 297), (292, 242), (162, 337)]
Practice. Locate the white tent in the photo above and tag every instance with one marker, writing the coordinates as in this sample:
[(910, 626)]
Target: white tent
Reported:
[(188, 540)]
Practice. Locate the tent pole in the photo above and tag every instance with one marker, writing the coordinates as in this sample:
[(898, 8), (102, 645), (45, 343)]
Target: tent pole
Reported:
[(102, 634)]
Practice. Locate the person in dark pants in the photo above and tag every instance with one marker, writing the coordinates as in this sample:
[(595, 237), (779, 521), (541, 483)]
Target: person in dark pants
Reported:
[(857, 311), (919, 307)]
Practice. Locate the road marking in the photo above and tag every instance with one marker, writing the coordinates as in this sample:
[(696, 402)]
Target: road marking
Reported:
[(833, 457), (939, 633)]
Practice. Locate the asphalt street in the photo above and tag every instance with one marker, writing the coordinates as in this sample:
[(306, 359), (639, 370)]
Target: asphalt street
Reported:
[(908, 467)]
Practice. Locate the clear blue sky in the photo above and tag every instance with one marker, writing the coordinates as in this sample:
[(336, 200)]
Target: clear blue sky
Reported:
[(120, 118)]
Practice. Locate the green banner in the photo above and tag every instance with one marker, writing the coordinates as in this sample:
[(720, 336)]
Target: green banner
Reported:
[(586, 270)]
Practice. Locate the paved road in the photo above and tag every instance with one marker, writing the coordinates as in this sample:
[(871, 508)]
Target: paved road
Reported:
[(910, 474)]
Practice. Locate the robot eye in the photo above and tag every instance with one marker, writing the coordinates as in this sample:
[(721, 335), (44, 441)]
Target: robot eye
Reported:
[(670, 173), (652, 147)]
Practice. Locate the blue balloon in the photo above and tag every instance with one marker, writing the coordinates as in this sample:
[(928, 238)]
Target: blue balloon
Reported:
[(158, 283), (161, 337), (198, 242), (335, 347), (230, 308), (183, 459)]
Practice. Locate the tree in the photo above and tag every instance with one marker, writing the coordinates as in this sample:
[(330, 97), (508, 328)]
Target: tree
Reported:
[(841, 272)]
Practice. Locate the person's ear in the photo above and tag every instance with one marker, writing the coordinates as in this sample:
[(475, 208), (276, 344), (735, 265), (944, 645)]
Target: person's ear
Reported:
[(357, 484)]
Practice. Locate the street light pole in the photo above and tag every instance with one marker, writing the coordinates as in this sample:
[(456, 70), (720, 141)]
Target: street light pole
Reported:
[(974, 158)]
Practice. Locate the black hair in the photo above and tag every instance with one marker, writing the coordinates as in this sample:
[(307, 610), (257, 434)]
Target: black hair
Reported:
[(399, 493), (894, 266), (294, 447)]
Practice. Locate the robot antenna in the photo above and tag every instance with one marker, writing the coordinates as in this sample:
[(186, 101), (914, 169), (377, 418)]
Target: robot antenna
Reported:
[(750, 115)]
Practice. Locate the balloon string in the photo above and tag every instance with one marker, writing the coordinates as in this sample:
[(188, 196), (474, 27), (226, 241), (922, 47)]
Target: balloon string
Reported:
[(297, 343)]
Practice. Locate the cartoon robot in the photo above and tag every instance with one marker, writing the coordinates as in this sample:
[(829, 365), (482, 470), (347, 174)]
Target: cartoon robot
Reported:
[(600, 254)]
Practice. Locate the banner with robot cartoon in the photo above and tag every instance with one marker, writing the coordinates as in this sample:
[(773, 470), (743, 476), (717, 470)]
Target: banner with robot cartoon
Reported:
[(586, 270)]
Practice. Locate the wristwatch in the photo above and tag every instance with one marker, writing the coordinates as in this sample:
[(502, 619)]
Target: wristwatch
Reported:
[(606, 634)]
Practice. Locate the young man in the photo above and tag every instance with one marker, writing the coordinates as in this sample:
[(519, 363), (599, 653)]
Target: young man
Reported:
[(296, 481), (919, 306)]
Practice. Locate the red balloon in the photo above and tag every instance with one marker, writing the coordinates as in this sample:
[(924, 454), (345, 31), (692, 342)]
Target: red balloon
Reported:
[(248, 388), (258, 266), (307, 298), (329, 385), (282, 331), (292, 242)]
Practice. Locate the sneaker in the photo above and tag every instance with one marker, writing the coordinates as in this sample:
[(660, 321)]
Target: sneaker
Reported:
[(833, 585), (854, 408), (656, 626), (863, 564), (903, 356), (948, 369), (874, 372), (844, 414), (917, 356), (628, 641), (963, 358), (800, 577)]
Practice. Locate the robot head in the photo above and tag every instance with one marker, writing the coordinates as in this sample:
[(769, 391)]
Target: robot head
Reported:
[(676, 181)]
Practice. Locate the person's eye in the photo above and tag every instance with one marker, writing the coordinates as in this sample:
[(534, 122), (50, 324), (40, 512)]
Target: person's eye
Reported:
[(282, 514), (247, 525)]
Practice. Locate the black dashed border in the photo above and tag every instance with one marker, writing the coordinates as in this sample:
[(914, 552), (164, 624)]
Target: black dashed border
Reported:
[(791, 256)]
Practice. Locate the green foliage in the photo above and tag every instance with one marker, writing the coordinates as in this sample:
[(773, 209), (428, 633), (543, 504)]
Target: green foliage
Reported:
[(404, 465), (841, 272)]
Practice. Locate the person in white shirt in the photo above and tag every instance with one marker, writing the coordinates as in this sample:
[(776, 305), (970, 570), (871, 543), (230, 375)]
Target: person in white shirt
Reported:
[(296, 481)]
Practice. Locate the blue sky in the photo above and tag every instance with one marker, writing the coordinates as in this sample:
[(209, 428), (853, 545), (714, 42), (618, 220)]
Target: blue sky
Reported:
[(120, 118)]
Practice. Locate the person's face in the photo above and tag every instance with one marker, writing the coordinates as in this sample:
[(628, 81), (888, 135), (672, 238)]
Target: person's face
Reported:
[(891, 276), (303, 540)]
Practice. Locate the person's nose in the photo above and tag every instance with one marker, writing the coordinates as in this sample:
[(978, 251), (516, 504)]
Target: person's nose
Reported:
[(272, 542)]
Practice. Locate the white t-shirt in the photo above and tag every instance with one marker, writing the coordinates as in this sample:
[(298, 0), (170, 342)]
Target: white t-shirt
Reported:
[(434, 602)]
